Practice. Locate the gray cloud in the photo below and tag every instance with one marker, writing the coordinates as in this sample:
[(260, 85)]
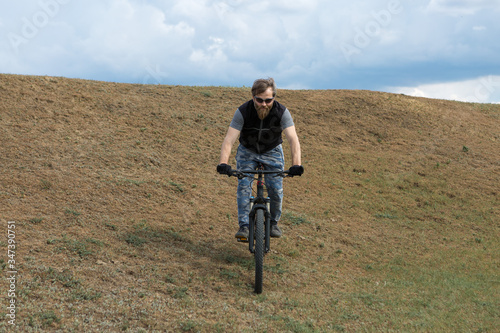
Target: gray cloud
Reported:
[(303, 44)]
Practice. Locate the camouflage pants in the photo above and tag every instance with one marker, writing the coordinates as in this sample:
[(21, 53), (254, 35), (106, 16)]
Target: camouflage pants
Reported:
[(248, 160)]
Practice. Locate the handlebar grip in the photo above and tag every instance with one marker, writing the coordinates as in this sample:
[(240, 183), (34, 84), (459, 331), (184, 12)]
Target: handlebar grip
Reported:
[(249, 173), (235, 173)]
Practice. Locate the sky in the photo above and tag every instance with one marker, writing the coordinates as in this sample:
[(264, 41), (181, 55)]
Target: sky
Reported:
[(446, 49)]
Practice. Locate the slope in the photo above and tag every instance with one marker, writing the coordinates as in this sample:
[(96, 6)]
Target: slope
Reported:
[(123, 224)]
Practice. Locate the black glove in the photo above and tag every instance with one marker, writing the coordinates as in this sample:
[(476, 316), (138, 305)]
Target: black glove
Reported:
[(224, 169), (296, 170)]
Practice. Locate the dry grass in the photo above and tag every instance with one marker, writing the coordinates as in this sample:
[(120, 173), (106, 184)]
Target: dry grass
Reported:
[(123, 224)]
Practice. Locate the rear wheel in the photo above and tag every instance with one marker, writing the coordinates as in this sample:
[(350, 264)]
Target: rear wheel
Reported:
[(259, 250)]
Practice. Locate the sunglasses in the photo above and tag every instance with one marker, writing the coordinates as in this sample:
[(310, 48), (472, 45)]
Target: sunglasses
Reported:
[(261, 101)]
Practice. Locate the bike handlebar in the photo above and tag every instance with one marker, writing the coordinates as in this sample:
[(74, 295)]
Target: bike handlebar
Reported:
[(249, 173)]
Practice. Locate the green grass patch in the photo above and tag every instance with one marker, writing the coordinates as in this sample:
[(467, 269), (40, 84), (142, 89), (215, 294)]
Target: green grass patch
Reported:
[(386, 216), (179, 292), (82, 248), (85, 295), (135, 240), (36, 220), (178, 187), (142, 233), (294, 218), (439, 293), (66, 278), (48, 319), (229, 274), (72, 212)]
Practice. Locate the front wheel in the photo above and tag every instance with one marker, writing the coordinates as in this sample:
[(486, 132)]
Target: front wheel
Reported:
[(259, 250)]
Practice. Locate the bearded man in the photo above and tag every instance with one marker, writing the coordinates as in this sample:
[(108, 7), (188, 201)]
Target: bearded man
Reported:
[(259, 124)]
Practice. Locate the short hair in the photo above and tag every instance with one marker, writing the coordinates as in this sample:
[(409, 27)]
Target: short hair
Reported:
[(261, 85)]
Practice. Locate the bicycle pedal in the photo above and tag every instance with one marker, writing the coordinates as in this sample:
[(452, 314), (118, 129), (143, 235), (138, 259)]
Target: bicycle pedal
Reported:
[(242, 240)]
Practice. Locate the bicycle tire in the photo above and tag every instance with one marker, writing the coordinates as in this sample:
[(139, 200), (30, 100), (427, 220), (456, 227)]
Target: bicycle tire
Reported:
[(259, 250)]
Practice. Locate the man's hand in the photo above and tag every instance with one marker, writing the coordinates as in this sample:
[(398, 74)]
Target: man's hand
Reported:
[(296, 170), (224, 169)]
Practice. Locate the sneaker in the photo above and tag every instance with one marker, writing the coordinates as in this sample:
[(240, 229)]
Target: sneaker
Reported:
[(242, 233), (275, 231)]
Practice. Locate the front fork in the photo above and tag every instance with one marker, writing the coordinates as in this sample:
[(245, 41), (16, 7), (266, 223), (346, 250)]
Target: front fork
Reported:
[(267, 224)]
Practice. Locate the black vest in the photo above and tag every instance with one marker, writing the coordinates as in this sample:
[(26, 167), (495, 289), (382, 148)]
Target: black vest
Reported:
[(258, 135)]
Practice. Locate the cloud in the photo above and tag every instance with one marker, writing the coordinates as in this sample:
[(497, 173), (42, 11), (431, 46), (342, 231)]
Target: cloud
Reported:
[(462, 7), (314, 44), (480, 90)]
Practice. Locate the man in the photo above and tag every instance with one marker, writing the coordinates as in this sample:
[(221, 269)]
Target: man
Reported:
[(259, 124)]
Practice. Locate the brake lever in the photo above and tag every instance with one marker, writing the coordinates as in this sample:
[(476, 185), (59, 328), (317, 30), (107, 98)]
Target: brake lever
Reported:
[(237, 174)]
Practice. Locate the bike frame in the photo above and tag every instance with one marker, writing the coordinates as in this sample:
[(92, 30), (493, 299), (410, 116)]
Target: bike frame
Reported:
[(259, 202)]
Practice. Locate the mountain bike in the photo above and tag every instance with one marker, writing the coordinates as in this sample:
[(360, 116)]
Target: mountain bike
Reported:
[(259, 220)]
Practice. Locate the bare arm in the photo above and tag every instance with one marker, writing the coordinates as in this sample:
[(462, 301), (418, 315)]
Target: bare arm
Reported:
[(293, 141), (229, 140)]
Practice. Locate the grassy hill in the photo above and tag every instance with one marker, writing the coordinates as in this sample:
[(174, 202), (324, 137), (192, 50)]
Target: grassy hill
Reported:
[(122, 223)]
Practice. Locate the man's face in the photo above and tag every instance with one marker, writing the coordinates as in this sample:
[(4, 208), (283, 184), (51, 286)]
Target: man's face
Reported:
[(264, 102)]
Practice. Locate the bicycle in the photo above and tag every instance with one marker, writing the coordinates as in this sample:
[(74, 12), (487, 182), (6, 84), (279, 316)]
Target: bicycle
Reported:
[(259, 220)]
